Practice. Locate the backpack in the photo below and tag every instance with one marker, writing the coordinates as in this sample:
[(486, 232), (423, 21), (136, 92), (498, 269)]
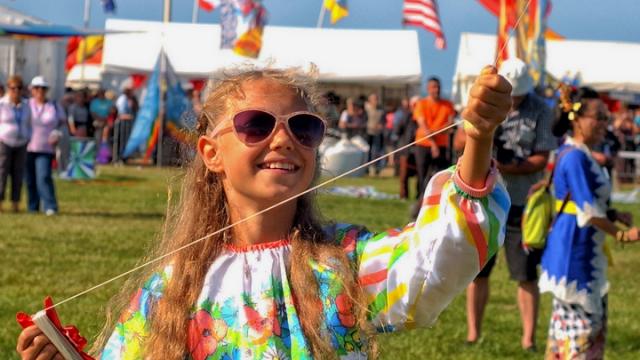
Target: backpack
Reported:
[(538, 216)]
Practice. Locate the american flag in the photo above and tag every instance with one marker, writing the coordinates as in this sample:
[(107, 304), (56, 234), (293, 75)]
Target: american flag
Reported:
[(424, 13)]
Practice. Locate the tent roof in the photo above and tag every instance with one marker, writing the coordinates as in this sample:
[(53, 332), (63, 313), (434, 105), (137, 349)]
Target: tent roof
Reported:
[(603, 65), (45, 30), (368, 56)]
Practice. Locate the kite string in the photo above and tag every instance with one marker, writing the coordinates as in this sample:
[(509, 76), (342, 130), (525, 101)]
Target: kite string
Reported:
[(255, 215), (349, 172)]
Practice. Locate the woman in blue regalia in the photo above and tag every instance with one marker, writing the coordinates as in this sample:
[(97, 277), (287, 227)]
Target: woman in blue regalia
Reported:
[(574, 264)]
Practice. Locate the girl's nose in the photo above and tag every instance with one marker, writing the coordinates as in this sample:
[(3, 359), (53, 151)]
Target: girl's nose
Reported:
[(281, 138)]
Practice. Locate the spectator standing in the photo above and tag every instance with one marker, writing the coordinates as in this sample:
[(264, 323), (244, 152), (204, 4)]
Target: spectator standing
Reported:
[(574, 264), (46, 118), (523, 144), (100, 109), (432, 114), (354, 119), (126, 104), (78, 115), (328, 109), (405, 130), (390, 140), (15, 132), (375, 128)]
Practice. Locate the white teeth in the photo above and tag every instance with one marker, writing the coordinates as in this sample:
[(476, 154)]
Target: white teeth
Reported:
[(280, 166)]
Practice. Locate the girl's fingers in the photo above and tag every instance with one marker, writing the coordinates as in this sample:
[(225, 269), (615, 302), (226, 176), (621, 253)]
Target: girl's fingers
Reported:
[(487, 95), (48, 352), (495, 82), (487, 110), (488, 70), (26, 337), (37, 345)]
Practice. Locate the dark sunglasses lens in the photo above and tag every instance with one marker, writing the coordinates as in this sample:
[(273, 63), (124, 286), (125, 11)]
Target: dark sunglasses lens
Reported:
[(308, 129), (253, 126)]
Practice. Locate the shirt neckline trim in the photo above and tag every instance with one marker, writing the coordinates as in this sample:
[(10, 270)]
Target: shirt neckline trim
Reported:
[(258, 247)]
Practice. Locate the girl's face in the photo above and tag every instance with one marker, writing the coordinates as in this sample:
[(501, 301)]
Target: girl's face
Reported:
[(268, 172), (593, 122)]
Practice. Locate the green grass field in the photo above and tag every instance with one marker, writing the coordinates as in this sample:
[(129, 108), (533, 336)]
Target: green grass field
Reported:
[(105, 225)]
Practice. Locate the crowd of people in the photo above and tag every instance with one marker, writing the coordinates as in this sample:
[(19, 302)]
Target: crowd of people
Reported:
[(35, 134)]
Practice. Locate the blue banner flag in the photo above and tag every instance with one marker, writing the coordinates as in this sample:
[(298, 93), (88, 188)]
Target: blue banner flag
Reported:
[(148, 113)]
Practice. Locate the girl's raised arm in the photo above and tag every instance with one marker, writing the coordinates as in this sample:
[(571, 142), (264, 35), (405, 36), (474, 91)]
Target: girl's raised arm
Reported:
[(411, 275)]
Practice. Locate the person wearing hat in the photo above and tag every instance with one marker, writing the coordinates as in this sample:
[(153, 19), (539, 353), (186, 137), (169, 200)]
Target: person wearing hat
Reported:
[(522, 144), (47, 118), (15, 131)]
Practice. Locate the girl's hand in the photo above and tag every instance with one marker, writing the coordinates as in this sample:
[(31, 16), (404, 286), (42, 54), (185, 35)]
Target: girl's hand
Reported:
[(633, 234), (488, 105), (33, 344)]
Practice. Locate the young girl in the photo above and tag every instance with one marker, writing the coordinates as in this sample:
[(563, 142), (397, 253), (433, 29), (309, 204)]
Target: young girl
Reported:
[(284, 284)]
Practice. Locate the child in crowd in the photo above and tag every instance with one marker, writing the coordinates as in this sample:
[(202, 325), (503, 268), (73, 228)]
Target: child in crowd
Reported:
[(285, 284)]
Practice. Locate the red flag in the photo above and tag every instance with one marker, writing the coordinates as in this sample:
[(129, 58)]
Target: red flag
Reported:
[(502, 53), (424, 13), (208, 5), (493, 6)]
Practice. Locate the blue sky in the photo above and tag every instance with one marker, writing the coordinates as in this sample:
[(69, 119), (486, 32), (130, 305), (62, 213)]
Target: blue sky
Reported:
[(613, 20)]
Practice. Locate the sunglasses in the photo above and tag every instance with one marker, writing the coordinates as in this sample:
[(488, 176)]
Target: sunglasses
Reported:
[(14, 87), (254, 127)]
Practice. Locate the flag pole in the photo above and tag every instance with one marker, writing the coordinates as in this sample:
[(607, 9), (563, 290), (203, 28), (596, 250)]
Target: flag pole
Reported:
[(87, 14), (194, 14), (166, 18), (323, 10)]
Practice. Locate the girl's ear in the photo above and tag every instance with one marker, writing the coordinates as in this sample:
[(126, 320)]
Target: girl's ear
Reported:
[(208, 149)]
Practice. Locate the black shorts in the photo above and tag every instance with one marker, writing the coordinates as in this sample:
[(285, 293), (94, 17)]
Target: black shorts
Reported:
[(523, 265)]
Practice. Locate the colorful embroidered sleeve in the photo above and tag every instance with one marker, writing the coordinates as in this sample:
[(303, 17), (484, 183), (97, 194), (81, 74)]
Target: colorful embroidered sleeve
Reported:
[(132, 328), (412, 274), (581, 176)]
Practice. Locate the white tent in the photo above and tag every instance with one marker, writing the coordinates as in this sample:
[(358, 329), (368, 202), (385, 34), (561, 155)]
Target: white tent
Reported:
[(87, 75), (31, 57), (603, 65), (384, 57)]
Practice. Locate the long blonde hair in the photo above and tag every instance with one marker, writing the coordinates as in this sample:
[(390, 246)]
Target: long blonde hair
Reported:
[(202, 209)]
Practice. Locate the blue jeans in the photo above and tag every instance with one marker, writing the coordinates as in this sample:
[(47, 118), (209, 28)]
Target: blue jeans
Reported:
[(39, 182)]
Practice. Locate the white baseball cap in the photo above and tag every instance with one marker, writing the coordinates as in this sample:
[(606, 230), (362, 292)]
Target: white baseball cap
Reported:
[(39, 81), (516, 72)]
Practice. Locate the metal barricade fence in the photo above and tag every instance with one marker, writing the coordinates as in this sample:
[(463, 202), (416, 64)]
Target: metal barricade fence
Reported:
[(121, 133)]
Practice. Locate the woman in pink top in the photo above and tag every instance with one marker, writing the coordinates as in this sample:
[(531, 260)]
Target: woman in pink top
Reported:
[(47, 117)]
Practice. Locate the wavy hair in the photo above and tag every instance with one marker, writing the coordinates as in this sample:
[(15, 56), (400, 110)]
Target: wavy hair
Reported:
[(203, 209)]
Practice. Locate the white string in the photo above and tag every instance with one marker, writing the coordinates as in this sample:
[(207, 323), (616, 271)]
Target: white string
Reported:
[(152, 261), (454, 124)]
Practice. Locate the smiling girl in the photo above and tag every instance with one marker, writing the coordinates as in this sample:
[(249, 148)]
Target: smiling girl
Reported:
[(285, 284)]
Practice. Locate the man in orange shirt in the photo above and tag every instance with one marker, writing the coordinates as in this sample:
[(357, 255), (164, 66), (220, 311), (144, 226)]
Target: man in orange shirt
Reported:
[(432, 114)]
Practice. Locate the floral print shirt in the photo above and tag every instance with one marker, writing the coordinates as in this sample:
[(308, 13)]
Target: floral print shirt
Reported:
[(246, 309)]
